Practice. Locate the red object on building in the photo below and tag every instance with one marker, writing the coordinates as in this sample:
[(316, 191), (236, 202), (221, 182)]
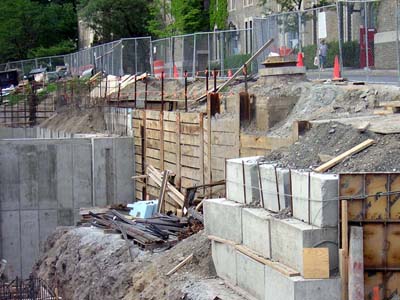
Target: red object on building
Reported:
[(363, 48)]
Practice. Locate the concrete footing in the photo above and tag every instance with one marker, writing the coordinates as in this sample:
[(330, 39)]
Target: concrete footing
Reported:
[(242, 181)]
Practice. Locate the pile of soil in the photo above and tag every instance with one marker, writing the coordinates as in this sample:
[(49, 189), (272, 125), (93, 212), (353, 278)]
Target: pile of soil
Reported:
[(85, 263), (332, 139), (75, 120)]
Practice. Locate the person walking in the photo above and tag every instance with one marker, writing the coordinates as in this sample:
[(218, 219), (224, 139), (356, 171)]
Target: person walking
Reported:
[(323, 52)]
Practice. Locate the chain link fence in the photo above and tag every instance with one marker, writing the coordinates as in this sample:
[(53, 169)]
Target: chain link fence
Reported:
[(364, 34)]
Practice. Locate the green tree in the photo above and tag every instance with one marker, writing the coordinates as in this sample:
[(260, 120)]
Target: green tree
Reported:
[(218, 14), (115, 19), (189, 15), (29, 25), (159, 23)]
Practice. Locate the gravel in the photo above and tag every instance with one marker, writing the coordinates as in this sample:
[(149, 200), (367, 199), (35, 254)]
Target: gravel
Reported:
[(333, 139)]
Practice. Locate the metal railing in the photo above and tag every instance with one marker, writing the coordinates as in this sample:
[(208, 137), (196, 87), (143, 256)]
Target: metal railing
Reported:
[(341, 26), (29, 289)]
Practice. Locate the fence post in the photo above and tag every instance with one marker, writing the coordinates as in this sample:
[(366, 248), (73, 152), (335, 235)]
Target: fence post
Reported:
[(136, 55), (194, 55), (121, 58), (209, 51), (397, 41)]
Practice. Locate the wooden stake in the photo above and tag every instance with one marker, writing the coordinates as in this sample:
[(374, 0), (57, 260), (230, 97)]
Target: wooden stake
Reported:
[(181, 264)]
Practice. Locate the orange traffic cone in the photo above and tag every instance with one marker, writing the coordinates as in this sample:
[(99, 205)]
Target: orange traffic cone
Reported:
[(300, 62), (336, 69), (176, 73), (376, 295), (230, 73)]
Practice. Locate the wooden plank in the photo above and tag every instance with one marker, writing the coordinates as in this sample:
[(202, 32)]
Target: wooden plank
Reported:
[(153, 134), (170, 137), (223, 138), (153, 144), (229, 125), (189, 150), (170, 126), (376, 205), (264, 142), (170, 157), (190, 161), (316, 263), (190, 173), (153, 153), (170, 116), (191, 118), (352, 187), (275, 265), (190, 129), (223, 151), (150, 124), (338, 159), (152, 115), (187, 139), (394, 199), (163, 187), (181, 264), (389, 103)]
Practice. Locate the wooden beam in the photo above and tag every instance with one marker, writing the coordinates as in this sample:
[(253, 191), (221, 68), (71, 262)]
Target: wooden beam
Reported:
[(341, 157), (163, 187), (344, 251)]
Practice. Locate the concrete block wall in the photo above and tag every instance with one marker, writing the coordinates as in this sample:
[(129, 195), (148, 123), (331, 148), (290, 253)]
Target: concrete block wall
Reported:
[(263, 282), (281, 240), (44, 182)]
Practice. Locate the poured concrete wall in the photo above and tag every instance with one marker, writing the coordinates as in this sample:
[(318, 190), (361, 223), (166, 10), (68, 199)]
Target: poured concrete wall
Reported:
[(44, 182)]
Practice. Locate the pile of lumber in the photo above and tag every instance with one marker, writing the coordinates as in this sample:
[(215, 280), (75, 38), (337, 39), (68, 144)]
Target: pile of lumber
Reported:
[(159, 231)]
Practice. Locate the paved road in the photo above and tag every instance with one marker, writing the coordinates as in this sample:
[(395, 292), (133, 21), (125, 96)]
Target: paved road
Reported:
[(374, 76)]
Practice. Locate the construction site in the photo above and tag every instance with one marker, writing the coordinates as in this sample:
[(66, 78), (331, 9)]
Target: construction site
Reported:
[(255, 185)]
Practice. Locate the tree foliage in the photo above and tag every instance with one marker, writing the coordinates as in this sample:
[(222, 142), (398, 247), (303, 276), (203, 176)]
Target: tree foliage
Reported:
[(189, 15), (160, 24), (115, 19), (219, 14), (26, 26)]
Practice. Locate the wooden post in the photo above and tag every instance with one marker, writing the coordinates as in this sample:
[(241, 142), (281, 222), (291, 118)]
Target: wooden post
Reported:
[(161, 140), (178, 150), (201, 124), (344, 251), (356, 264), (209, 140)]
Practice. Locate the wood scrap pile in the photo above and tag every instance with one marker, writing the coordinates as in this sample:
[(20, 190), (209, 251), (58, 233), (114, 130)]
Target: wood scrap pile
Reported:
[(159, 231)]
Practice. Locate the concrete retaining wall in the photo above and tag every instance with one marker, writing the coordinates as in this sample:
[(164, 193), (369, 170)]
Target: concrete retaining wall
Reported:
[(44, 182), (17, 133)]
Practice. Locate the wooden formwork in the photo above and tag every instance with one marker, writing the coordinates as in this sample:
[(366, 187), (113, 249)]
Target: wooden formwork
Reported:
[(179, 142), (373, 202)]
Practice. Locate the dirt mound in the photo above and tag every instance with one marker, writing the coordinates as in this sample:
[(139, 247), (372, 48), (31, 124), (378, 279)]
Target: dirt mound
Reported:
[(333, 139), (75, 120), (85, 264)]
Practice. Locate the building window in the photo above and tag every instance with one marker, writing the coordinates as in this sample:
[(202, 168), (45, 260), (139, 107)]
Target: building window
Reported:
[(232, 5), (248, 3)]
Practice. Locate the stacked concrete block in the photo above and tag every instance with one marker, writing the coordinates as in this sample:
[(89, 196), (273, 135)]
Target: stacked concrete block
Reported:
[(223, 218), (242, 180), (224, 258), (257, 230), (290, 236), (281, 287), (275, 184), (315, 198), (250, 275)]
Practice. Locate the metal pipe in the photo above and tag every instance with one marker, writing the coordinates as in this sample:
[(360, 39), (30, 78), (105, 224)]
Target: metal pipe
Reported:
[(135, 96), (186, 95), (215, 80), (206, 80), (145, 93)]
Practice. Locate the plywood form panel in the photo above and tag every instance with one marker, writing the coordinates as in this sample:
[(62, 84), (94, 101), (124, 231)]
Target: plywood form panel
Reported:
[(352, 186), (376, 204)]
